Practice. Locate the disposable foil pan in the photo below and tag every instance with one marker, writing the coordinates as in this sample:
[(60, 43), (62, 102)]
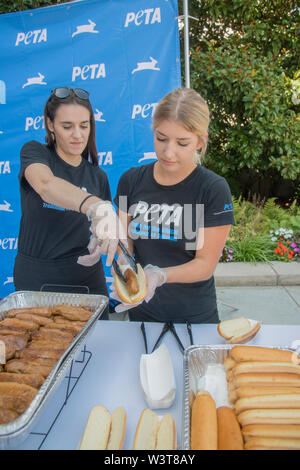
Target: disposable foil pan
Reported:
[(195, 362), (15, 432)]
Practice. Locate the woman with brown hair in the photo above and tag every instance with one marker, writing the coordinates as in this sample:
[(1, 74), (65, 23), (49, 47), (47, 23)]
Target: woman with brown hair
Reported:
[(62, 189)]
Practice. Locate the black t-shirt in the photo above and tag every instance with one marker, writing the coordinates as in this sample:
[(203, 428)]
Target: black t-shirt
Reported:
[(164, 223), (51, 232)]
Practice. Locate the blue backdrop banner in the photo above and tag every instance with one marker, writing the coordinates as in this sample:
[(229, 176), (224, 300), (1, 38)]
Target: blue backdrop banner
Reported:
[(125, 53)]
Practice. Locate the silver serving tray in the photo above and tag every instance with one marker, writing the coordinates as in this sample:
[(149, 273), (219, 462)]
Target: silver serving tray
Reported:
[(15, 432), (195, 362)]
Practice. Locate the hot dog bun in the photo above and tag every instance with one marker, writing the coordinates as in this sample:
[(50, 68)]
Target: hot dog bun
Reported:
[(275, 416), (229, 431), (248, 391), (266, 367), (154, 434), (264, 379), (118, 429), (282, 401), (269, 443), (258, 353), (97, 429), (122, 288), (146, 431), (238, 330), (285, 431), (166, 435), (204, 434), (104, 430)]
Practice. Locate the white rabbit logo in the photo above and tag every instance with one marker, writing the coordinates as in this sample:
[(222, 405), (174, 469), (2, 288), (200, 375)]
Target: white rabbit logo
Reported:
[(98, 116), (151, 65), (85, 28), (35, 80), (8, 280), (5, 207), (148, 156)]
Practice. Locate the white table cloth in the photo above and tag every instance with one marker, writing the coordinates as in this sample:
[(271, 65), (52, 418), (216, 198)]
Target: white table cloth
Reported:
[(111, 378)]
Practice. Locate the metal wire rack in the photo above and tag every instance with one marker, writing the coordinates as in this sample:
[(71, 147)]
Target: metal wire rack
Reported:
[(75, 372)]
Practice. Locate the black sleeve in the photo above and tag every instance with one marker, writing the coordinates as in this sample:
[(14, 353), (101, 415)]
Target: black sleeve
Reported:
[(106, 194), (218, 207), (33, 152)]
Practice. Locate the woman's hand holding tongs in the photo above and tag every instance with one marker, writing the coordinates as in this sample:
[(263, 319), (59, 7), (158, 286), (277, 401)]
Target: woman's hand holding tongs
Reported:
[(106, 228), (155, 277)]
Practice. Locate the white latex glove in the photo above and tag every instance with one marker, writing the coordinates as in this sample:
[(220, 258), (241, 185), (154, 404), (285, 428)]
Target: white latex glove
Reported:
[(94, 256), (106, 227), (155, 277)]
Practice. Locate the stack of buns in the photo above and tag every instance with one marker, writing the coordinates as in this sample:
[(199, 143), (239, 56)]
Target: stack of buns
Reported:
[(263, 387), (153, 433), (264, 391)]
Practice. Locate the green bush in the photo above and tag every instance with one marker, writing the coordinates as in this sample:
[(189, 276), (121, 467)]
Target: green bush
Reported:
[(245, 62), (258, 229)]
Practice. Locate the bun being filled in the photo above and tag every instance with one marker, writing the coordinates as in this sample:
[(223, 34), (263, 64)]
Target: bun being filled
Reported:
[(134, 289)]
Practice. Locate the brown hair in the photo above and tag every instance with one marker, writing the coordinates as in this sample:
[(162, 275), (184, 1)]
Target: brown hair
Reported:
[(50, 109), (186, 107)]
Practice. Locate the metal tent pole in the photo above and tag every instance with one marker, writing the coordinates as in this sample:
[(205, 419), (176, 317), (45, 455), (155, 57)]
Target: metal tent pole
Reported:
[(186, 43), (185, 18)]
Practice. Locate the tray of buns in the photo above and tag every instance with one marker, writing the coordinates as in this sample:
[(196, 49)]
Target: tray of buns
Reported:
[(40, 334), (241, 397)]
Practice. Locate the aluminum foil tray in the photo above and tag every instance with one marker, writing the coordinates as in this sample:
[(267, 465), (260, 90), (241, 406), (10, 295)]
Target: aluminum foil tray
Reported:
[(12, 434), (195, 362)]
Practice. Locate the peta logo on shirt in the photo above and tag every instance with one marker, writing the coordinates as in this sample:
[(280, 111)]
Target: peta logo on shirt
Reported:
[(227, 208), (31, 37), (147, 16), (170, 222)]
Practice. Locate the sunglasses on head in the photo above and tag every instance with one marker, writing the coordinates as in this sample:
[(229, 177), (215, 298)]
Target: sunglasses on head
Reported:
[(65, 91)]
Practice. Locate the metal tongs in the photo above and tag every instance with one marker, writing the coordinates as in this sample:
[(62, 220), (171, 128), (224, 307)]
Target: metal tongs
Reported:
[(130, 260), (169, 326)]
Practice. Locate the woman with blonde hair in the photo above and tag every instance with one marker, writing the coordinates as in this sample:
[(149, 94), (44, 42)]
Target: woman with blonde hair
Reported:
[(178, 215)]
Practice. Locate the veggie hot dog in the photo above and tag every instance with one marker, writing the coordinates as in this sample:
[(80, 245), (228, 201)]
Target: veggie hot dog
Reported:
[(134, 290)]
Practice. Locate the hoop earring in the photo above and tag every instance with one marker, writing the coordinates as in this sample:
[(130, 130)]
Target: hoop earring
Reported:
[(52, 136)]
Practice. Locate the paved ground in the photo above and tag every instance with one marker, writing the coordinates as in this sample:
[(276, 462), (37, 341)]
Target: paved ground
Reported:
[(275, 305), (266, 292)]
